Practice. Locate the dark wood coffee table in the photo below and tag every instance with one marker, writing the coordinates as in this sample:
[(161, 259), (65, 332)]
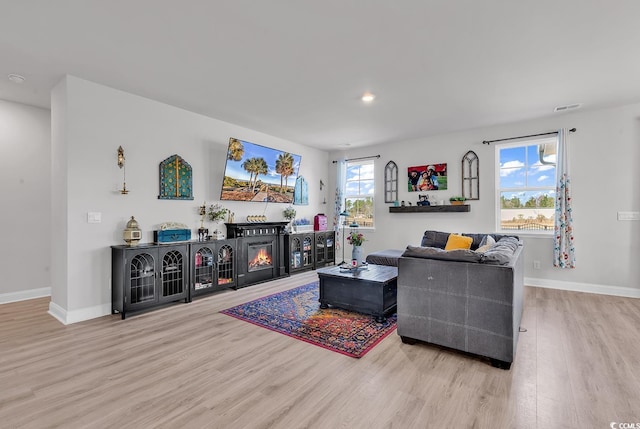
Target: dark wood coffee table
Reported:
[(371, 291)]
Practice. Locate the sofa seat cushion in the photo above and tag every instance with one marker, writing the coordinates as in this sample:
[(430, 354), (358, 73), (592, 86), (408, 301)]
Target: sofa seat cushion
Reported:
[(460, 255), (385, 257)]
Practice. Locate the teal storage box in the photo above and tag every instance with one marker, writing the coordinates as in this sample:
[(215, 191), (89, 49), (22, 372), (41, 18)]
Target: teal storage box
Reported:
[(171, 235)]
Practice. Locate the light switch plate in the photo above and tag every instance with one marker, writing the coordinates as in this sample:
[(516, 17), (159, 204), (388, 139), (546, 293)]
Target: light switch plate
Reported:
[(628, 215), (94, 217)]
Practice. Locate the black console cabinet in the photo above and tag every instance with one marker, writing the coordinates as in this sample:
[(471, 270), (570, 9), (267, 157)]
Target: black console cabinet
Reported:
[(148, 275), (309, 250)]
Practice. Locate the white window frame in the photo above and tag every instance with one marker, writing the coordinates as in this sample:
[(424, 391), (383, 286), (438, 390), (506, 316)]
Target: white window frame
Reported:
[(500, 190), (348, 196)]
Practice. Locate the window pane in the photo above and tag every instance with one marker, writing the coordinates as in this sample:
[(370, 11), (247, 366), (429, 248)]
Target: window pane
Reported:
[(527, 189), (360, 211), (540, 175), (527, 211), (359, 192), (513, 177)]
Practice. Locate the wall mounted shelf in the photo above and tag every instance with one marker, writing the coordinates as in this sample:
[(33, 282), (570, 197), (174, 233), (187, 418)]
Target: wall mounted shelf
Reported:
[(431, 209)]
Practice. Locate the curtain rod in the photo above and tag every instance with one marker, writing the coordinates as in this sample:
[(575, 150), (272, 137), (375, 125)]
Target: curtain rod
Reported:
[(573, 130), (358, 159)]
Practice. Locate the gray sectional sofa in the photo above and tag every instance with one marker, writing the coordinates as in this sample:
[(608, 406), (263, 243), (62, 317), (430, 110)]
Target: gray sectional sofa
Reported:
[(461, 299)]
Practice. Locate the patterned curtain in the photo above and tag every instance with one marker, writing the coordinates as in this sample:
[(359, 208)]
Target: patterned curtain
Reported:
[(341, 177), (563, 250)]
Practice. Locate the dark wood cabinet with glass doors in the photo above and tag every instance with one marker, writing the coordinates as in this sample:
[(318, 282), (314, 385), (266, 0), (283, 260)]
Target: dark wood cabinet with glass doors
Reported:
[(325, 249), (299, 251), (309, 250), (147, 276), (213, 266)]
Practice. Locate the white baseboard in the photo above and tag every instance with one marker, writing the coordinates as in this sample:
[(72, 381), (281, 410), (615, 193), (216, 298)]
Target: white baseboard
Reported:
[(68, 317), (23, 295), (58, 312), (583, 287)]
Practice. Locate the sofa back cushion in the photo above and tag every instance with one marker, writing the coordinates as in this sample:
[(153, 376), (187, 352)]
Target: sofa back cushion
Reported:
[(434, 239)]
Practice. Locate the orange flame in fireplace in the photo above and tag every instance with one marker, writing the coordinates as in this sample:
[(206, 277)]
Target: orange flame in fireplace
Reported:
[(261, 259)]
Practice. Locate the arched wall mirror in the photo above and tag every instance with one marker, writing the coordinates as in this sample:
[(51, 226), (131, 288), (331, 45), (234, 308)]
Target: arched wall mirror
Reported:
[(390, 182), (471, 176)]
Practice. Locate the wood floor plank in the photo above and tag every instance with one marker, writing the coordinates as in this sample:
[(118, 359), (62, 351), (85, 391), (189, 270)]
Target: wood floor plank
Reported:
[(189, 366)]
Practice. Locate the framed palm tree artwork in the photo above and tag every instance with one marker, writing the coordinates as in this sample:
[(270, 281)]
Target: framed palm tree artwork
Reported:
[(259, 173)]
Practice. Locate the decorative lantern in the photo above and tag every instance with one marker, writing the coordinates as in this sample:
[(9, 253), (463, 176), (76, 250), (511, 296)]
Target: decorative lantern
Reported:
[(132, 233)]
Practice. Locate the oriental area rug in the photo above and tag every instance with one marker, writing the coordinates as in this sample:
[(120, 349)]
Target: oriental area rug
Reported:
[(297, 313)]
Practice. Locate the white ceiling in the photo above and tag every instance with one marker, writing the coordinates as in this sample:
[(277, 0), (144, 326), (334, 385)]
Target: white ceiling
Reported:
[(297, 69)]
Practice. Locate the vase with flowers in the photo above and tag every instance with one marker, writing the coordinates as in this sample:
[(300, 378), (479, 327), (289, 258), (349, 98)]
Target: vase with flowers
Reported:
[(356, 239)]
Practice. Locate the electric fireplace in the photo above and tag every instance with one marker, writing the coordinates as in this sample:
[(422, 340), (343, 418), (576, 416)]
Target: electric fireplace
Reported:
[(260, 251), (260, 256)]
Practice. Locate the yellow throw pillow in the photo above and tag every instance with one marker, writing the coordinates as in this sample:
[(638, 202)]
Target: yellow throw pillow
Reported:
[(458, 242)]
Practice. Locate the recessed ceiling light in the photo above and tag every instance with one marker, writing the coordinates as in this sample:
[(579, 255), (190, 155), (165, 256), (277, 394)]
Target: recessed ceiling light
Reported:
[(567, 107), (16, 78), (368, 97)]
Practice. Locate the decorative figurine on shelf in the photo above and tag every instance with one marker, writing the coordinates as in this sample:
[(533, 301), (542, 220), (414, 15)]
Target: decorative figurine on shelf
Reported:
[(132, 233), (423, 200), (203, 232)]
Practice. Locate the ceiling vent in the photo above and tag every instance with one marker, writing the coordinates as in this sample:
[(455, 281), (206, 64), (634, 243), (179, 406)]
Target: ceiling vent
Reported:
[(567, 107)]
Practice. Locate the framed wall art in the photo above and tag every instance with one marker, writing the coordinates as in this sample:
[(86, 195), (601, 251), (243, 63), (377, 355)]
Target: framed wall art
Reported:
[(176, 179), (428, 177)]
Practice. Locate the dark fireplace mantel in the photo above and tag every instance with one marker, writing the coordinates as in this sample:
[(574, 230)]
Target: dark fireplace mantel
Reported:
[(237, 230)]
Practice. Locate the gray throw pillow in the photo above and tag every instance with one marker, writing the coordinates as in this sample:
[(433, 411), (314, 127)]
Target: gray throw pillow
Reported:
[(501, 252)]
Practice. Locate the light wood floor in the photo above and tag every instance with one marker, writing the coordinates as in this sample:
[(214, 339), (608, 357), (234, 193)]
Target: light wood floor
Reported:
[(577, 366)]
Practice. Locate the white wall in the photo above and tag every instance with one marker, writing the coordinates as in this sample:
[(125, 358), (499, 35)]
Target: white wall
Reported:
[(605, 160), (25, 153), (98, 120)]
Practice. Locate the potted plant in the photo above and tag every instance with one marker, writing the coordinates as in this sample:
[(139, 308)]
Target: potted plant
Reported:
[(289, 214), (457, 201), (217, 213)]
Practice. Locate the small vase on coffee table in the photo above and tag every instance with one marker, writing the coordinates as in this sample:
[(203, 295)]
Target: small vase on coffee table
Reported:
[(356, 256)]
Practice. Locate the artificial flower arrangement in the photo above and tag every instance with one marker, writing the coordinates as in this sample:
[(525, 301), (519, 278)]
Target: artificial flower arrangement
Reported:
[(216, 213), (355, 238)]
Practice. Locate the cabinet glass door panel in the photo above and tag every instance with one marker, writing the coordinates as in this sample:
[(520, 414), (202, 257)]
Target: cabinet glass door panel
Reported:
[(296, 252), (331, 249), (225, 265), (142, 286), (320, 248), (307, 250), (204, 268), (173, 273)]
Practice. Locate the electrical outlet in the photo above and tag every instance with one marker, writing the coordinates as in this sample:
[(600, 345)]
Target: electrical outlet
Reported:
[(628, 215), (536, 265)]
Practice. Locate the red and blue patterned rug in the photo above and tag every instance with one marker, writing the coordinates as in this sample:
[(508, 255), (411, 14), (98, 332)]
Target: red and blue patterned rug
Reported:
[(297, 313)]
